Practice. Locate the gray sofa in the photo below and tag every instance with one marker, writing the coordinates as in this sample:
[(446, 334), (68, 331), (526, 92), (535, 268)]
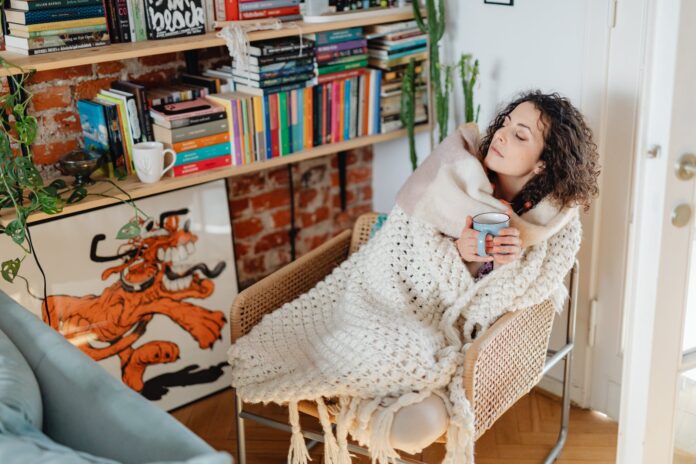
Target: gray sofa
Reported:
[(79, 413)]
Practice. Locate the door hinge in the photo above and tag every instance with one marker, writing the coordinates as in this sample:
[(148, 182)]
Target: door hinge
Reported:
[(613, 7), (592, 332)]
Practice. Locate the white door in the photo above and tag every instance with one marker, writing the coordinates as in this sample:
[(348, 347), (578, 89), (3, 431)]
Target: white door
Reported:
[(657, 398)]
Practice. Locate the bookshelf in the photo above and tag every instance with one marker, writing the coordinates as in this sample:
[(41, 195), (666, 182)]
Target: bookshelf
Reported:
[(136, 189), (123, 51)]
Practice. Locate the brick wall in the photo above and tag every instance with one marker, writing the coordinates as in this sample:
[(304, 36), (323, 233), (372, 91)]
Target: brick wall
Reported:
[(259, 202)]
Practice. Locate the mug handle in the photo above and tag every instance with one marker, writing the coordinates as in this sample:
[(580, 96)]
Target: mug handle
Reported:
[(171, 165), (482, 243)]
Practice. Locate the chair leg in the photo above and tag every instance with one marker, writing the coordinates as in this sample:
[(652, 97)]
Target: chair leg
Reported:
[(241, 443), (568, 358)]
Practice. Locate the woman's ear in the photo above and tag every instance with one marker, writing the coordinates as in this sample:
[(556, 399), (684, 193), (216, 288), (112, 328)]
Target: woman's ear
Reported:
[(539, 167)]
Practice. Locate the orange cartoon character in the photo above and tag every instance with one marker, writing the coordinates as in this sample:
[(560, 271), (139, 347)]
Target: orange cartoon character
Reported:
[(155, 277)]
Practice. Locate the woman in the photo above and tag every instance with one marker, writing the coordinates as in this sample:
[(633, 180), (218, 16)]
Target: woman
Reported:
[(380, 342)]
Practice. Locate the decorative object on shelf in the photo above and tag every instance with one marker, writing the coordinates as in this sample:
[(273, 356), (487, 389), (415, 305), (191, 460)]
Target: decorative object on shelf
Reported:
[(149, 308), (234, 33), (435, 28), (469, 74), (167, 19), (81, 164), (22, 188), (148, 159)]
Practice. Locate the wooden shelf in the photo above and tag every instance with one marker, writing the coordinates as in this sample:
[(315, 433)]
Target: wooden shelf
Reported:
[(124, 51), (136, 189)]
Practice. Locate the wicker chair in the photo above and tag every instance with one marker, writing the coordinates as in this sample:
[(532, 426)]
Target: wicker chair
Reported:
[(501, 366)]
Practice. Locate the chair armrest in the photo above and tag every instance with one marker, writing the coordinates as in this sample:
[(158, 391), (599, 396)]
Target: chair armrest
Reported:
[(506, 361), (286, 284)]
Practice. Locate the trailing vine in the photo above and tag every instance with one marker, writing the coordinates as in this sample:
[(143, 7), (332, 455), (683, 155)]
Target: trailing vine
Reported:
[(22, 189)]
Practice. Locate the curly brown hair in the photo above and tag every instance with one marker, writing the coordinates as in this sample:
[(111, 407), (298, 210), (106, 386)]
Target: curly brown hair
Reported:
[(569, 154)]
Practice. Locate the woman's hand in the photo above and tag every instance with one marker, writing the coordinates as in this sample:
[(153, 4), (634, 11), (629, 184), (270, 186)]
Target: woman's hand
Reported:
[(503, 249)]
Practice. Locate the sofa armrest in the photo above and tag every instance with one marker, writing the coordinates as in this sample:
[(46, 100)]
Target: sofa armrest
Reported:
[(286, 284), (87, 409), (506, 361)]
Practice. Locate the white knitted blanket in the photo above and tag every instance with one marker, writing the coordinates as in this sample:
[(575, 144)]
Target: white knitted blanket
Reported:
[(391, 324)]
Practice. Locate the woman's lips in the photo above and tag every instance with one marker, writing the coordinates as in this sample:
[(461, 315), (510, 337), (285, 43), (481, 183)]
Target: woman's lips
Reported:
[(496, 151)]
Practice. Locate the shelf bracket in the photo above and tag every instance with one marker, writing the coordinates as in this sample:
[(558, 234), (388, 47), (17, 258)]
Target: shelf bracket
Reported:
[(191, 57), (342, 179)]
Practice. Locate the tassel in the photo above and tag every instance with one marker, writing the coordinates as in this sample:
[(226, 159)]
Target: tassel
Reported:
[(331, 453), (344, 420), (298, 453), (460, 433)]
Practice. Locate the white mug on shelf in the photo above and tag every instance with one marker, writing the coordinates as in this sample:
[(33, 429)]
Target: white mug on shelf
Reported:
[(148, 158)]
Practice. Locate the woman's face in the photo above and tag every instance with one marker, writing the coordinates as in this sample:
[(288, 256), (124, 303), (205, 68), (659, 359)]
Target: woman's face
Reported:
[(517, 145)]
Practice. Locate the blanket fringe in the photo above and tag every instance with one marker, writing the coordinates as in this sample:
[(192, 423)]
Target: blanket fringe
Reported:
[(298, 453), (331, 450), (460, 439), (344, 421)]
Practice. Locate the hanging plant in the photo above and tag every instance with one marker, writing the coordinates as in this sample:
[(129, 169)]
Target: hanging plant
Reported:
[(22, 189)]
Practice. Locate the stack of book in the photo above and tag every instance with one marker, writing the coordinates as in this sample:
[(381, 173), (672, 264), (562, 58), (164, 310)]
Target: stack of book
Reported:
[(285, 10), (113, 122), (275, 65), (197, 130), (348, 5), (340, 54), (45, 26), (391, 47)]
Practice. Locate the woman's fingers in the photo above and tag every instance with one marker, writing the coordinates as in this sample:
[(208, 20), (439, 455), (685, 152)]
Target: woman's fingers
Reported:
[(507, 240), (509, 231)]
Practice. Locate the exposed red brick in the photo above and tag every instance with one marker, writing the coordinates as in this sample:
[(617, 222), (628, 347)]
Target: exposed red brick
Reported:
[(69, 121), (279, 176), (359, 174), (90, 89), (240, 249), (366, 193), (244, 228), (309, 219), (239, 206), (360, 209), (62, 74), (317, 240), (245, 185), (268, 200), (151, 78), (254, 265), (307, 196), (351, 158), (158, 60), (335, 181), (50, 153), (350, 197), (110, 67), (57, 96), (281, 218), (272, 240), (367, 154)]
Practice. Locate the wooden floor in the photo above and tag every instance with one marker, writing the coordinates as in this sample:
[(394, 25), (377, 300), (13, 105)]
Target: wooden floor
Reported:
[(524, 435)]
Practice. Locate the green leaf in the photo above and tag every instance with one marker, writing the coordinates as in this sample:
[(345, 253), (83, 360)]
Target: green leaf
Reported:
[(10, 269), (78, 194), (49, 204), (15, 230), (58, 184), (129, 230)]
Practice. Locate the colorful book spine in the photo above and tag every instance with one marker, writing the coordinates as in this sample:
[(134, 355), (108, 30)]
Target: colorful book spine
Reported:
[(347, 84), (201, 142), (343, 35), (329, 56), (201, 154), (237, 135), (53, 15), (272, 13), (341, 46), (309, 118), (60, 25), (200, 166), (232, 10), (267, 126), (259, 137), (240, 129), (33, 5), (275, 125), (283, 124), (267, 5), (342, 67), (64, 48)]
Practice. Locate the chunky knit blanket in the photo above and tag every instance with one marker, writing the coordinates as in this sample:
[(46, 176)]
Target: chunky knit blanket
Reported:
[(390, 325)]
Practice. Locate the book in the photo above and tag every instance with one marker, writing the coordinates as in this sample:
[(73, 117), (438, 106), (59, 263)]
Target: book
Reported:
[(384, 64), (190, 132), (343, 60), (272, 13), (273, 82), (201, 142), (57, 32), (391, 27), (56, 25), (124, 118), (137, 21), (210, 83), (58, 40), (203, 153), (399, 44), (184, 110), (231, 10), (174, 19), (286, 66), (328, 56), (31, 5), (44, 50), (339, 75), (177, 123), (342, 35), (141, 100), (342, 46), (117, 154), (266, 5), (389, 56), (260, 76), (131, 110), (205, 165), (282, 46), (53, 15), (303, 56), (342, 67), (112, 20), (270, 90), (95, 135)]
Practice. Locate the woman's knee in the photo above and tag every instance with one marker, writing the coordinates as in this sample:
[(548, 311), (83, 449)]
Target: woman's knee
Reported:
[(418, 425)]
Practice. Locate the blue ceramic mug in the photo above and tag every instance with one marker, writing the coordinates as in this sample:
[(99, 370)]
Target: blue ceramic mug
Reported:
[(489, 224)]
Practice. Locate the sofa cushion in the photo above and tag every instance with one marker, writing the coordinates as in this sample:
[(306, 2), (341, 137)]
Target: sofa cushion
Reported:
[(19, 389)]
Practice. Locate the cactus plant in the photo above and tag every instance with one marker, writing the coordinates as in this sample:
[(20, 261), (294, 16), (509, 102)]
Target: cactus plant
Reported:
[(408, 109), (435, 28), (469, 75)]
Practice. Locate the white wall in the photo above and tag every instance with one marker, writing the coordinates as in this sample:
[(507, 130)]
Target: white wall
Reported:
[(544, 44)]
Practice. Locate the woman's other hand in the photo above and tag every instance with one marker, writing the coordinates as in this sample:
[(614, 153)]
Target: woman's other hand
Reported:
[(467, 244), (506, 247)]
